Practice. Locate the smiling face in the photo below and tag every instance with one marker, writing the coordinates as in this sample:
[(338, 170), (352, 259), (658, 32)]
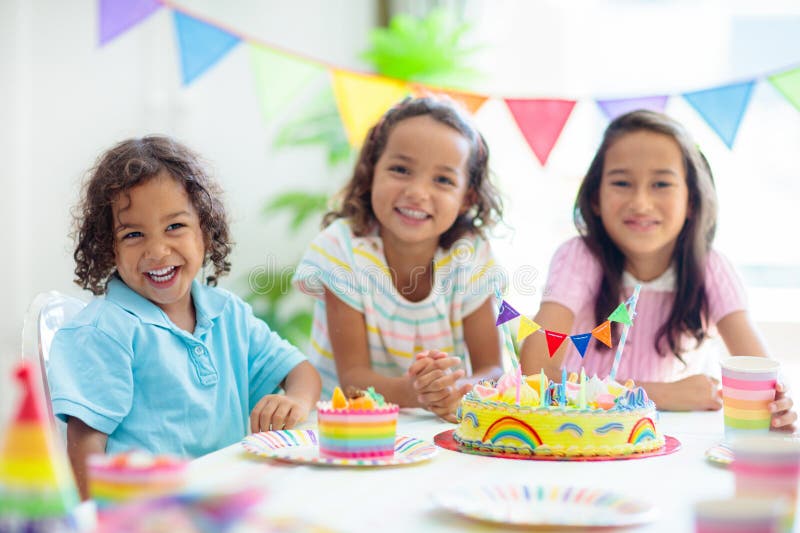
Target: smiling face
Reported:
[(643, 199), (158, 242), (420, 184)]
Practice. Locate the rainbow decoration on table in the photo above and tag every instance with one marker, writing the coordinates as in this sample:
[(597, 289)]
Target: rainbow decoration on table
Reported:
[(510, 429), (37, 490), (643, 430)]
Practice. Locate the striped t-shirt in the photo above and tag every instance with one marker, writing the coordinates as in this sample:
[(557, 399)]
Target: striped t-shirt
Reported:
[(574, 282), (355, 270)]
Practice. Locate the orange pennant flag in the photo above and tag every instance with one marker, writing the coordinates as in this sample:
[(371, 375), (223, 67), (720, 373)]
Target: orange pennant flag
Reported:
[(362, 99), (603, 333), (471, 101)]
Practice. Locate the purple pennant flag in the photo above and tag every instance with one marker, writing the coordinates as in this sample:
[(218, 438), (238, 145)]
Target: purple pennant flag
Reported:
[(581, 342), (117, 16), (614, 108), (506, 313)]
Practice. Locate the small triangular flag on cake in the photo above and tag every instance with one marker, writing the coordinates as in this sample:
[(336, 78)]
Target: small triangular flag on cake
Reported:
[(506, 313), (603, 333), (36, 483), (581, 342), (620, 314), (526, 327), (554, 340)]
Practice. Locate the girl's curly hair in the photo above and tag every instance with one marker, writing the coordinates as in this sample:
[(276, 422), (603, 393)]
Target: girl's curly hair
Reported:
[(126, 165), (355, 202)]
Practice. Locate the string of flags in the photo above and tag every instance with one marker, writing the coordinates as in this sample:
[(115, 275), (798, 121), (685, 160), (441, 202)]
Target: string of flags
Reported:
[(363, 98), (555, 339)]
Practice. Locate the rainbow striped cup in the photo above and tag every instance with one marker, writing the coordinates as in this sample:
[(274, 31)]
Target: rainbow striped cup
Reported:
[(738, 515), (768, 467), (748, 387)]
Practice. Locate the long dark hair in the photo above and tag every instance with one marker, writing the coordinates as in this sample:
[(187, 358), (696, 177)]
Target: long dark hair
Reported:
[(689, 313), (126, 165), (355, 202)]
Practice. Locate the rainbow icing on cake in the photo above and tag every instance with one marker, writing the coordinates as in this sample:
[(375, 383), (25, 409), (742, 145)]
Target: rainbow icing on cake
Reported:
[(358, 427), (133, 475), (598, 418)]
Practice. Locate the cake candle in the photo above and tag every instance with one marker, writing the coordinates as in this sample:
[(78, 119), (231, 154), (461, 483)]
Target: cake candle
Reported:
[(582, 391), (563, 396), (542, 386)]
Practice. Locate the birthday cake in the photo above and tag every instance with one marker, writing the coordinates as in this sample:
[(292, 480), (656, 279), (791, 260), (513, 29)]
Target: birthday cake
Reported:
[(133, 475), (534, 416), (357, 426)]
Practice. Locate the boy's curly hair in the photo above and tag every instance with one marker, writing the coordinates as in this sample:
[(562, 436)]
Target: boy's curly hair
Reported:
[(126, 165), (355, 202)]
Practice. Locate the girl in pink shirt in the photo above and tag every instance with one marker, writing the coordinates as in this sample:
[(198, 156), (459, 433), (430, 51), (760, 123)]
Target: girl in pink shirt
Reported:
[(646, 211)]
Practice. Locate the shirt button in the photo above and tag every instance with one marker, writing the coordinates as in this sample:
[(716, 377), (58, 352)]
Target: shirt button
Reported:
[(199, 350)]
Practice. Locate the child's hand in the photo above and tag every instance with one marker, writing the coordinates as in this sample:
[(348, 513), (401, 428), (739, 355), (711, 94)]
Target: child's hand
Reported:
[(435, 383), (694, 393), (783, 418), (275, 411)]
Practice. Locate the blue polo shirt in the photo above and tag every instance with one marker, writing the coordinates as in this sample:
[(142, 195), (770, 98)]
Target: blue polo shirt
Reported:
[(122, 367)]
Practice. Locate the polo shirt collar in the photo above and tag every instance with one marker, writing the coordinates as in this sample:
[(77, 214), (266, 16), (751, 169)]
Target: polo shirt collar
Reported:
[(208, 304)]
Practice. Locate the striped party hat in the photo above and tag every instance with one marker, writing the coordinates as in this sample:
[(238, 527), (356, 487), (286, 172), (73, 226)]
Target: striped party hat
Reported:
[(36, 483)]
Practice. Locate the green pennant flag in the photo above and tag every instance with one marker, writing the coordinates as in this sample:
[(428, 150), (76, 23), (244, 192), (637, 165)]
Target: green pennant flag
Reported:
[(621, 315), (280, 77), (788, 84)]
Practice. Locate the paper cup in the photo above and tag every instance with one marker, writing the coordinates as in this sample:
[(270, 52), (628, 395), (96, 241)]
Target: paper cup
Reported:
[(768, 467), (748, 387), (738, 515)]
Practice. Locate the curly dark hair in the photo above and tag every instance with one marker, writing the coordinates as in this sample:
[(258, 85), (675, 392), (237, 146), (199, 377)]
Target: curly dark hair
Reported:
[(355, 203), (689, 311), (126, 165)]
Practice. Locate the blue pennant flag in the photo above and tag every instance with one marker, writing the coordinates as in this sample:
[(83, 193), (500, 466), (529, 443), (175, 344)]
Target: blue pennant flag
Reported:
[(581, 342), (200, 45), (723, 107)]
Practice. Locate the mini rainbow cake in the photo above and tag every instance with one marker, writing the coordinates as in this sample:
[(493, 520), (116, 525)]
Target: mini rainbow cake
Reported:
[(128, 476), (359, 426), (534, 416)]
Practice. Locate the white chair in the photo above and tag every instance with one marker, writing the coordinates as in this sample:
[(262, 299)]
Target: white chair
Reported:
[(46, 314)]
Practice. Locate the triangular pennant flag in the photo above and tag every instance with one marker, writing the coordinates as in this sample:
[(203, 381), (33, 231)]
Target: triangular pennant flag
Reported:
[(581, 342), (506, 313), (620, 314), (554, 340), (540, 122), (788, 83), (723, 107), (200, 45), (526, 327), (614, 108), (36, 483), (118, 16), (471, 101), (603, 333), (279, 77), (362, 99)]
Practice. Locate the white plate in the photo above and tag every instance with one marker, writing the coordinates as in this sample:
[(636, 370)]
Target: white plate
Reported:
[(537, 505), (302, 446)]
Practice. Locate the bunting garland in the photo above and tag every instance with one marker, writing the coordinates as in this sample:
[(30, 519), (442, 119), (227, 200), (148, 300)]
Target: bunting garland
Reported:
[(555, 339), (361, 98)]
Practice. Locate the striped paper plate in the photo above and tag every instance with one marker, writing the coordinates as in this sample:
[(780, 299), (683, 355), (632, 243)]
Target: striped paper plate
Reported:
[(541, 505), (721, 454), (302, 446)]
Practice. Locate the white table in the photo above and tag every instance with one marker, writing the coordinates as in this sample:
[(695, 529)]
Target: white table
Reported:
[(398, 498)]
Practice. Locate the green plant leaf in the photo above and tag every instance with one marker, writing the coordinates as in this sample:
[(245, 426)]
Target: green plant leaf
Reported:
[(300, 204)]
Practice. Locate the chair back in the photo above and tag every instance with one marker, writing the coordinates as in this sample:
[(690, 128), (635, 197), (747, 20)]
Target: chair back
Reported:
[(46, 314)]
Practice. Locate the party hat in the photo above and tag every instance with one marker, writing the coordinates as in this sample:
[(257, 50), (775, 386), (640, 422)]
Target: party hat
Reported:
[(36, 483)]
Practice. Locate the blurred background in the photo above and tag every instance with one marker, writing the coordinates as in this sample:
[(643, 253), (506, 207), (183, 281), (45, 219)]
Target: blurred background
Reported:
[(250, 85)]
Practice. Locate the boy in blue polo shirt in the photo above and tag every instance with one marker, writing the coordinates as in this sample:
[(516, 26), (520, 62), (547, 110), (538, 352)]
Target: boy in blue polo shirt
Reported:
[(164, 363)]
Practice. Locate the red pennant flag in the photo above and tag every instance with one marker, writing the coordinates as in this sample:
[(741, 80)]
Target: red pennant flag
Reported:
[(554, 340), (541, 122), (603, 333)]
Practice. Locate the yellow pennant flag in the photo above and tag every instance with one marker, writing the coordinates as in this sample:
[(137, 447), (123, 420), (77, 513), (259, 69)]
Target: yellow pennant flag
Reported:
[(362, 100), (526, 327)]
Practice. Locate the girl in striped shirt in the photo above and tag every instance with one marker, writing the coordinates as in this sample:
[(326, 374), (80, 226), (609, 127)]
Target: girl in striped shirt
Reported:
[(402, 273), (646, 212)]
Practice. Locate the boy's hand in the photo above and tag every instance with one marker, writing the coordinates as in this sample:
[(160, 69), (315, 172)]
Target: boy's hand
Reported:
[(783, 418), (274, 411)]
